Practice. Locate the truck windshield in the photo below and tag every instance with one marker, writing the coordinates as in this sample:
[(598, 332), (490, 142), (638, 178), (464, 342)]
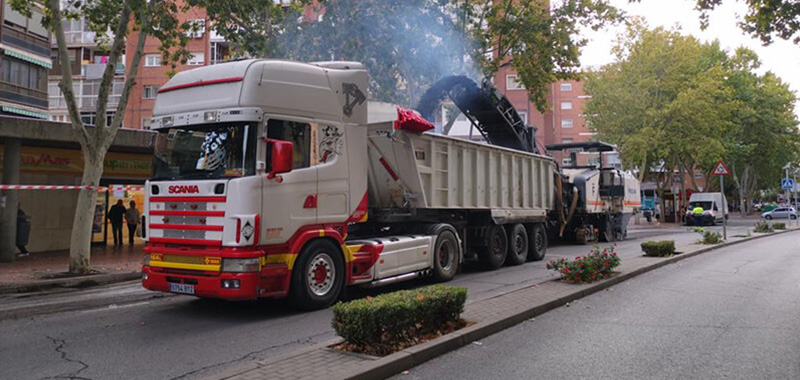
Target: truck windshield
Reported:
[(217, 150)]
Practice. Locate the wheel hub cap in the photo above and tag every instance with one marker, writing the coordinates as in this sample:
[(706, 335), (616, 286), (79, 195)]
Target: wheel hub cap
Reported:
[(320, 274)]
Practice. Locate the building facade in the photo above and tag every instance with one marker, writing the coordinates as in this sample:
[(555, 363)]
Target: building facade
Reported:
[(206, 47), (88, 62), (24, 62)]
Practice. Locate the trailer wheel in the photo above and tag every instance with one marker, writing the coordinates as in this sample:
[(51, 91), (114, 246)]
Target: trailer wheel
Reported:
[(517, 245), (494, 254), (538, 242), (317, 276)]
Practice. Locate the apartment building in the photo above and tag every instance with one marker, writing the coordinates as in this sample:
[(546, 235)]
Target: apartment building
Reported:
[(88, 63), (24, 61), (206, 47)]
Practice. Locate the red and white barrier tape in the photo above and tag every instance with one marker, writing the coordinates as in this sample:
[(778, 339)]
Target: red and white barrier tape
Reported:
[(53, 187)]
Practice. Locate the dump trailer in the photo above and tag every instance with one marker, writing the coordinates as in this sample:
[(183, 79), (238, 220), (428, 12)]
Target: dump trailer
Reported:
[(279, 179)]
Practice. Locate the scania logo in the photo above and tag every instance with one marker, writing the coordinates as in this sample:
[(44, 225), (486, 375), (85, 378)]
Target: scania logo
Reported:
[(183, 189)]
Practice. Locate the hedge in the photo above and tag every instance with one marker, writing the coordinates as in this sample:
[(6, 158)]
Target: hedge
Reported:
[(659, 248), (779, 225), (763, 227), (395, 319)]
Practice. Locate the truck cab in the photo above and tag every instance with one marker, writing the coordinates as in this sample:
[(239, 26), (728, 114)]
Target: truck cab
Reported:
[(251, 157)]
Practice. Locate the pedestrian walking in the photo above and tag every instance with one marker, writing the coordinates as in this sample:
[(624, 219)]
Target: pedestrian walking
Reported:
[(115, 216), (132, 218), (23, 231)]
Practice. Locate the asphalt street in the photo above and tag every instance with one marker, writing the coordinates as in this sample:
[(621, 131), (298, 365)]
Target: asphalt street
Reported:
[(727, 314), (124, 331)]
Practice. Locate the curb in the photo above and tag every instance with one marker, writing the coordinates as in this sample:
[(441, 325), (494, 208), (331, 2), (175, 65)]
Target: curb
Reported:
[(71, 282), (408, 358)]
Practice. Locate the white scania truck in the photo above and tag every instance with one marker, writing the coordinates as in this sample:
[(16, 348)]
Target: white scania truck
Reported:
[(275, 178)]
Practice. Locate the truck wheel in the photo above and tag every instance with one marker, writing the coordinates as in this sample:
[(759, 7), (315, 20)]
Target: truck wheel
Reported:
[(445, 252), (494, 254), (517, 245), (538, 242), (317, 276)]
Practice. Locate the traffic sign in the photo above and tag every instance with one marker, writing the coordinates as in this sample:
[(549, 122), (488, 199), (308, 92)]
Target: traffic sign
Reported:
[(721, 169), (787, 184)]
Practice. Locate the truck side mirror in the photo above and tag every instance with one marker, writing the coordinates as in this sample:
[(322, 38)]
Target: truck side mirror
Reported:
[(280, 155)]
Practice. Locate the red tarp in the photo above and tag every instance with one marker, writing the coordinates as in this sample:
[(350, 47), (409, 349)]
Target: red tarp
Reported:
[(409, 120)]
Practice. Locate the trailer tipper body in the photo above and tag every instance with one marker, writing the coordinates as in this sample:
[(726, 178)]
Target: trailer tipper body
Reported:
[(275, 179)]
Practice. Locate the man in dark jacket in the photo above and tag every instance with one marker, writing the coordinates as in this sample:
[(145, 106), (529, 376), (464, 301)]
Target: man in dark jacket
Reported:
[(23, 230), (115, 216)]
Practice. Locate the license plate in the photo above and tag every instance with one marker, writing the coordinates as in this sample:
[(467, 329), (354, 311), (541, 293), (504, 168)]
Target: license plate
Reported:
[(181, 288)]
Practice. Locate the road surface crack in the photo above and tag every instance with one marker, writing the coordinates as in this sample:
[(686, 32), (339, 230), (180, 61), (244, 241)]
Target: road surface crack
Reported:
[(60, 344), (736, 270), (251, 355)]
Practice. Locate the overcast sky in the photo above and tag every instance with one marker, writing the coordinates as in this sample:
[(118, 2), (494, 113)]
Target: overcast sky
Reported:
[(781, 57)]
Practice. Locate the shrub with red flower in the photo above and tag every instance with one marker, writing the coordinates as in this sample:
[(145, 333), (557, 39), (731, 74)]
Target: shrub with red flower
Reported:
[(598, 264)]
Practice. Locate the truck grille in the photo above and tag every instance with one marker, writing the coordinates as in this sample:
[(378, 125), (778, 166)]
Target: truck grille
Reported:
[(186, 219)]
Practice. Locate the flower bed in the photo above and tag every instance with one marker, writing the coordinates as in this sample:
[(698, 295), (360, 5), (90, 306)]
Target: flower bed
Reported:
[(598, 264), (393, 321)]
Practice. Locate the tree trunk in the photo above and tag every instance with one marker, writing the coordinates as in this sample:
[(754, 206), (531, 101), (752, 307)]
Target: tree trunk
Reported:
[(81, 239)]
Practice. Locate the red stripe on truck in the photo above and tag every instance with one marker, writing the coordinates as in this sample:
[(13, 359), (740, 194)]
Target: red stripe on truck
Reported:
[(200, 83), (388, 168)]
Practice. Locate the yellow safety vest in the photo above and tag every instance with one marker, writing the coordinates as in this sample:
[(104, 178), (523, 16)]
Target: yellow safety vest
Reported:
[(697, 210)]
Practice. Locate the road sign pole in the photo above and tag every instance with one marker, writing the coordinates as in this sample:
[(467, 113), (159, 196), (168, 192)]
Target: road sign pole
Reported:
[(724, 216)]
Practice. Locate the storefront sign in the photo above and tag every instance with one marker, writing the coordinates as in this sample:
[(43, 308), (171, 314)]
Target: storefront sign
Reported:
[(52, 160)]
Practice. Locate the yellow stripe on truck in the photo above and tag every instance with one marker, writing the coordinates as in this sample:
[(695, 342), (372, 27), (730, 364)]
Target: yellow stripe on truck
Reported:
[(283, 258), (167, 264)]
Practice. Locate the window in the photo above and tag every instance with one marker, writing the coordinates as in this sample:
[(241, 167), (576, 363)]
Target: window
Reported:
[(196, 28), (524, 116), (512, 84), (566, 141), (566, 161), (90, 118), (24, 74), (149, 92), (152, 60), (566, 87), (566, 105), (299, 134), (566, 123), (197, 59), (146, 122)]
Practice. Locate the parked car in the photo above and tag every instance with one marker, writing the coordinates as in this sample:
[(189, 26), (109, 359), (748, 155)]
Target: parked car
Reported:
[(780, 213)]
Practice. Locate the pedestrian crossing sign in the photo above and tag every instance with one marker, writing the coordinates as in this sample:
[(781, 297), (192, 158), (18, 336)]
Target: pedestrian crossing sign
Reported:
[(787, 184), (720, 169)]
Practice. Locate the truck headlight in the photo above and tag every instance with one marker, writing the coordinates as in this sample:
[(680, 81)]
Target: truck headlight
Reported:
[(240, 265)]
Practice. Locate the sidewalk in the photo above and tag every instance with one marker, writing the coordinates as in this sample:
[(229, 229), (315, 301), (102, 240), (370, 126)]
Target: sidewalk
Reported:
[(490, 316), (48, 269)]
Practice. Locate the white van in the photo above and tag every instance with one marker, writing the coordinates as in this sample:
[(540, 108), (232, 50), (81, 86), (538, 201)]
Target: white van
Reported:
[(715, 208)]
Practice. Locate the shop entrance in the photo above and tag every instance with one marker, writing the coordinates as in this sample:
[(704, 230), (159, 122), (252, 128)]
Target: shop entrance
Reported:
[(126, 191)]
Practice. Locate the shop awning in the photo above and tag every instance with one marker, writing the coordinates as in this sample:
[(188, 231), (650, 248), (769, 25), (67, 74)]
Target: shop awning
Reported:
[(27, 57), (25, 112)]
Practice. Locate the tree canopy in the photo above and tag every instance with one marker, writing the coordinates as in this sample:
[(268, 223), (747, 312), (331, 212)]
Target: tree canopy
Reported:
[(408, 45), (673, 102), (765, 19)]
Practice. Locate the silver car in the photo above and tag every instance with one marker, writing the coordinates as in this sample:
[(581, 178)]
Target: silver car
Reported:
[(780, 213)]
